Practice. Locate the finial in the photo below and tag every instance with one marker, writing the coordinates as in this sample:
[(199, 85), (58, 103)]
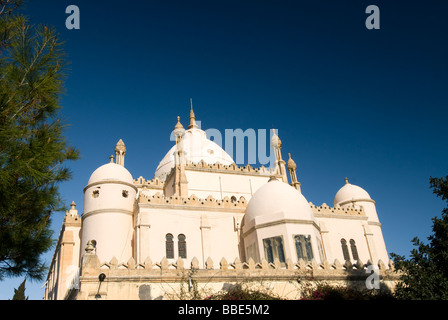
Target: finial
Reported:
[(291, 165), (120, 146), (275, 140), (178, 130), (111, 158), (346, 180), (89, 247), (120, 151), (178, 124), (73, 205), (192, 117)]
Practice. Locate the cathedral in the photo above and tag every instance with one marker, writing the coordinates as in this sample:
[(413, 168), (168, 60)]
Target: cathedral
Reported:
[(206, 220)]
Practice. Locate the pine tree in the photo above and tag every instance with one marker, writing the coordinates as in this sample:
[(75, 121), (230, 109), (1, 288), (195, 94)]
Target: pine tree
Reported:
[(425, 273), (19, 293), (32, 145)]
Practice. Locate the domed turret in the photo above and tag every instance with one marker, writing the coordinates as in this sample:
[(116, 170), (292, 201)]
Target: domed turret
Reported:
[(109, 199), (349, 193), (352, 195)]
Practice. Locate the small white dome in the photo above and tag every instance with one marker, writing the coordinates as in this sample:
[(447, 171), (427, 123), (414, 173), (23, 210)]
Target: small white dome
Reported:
[(111, 171), (278, 197), (350, 192)]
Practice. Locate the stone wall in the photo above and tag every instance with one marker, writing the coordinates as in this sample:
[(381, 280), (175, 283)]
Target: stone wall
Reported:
[(164, 280)]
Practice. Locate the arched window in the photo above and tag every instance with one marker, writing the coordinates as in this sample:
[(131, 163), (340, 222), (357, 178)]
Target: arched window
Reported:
[(169, 243), (273, 249), (182, 246), (299, 248), (303, 247), (354, 250), (268, 250), (279, 249), (309, 250), (345, 250)]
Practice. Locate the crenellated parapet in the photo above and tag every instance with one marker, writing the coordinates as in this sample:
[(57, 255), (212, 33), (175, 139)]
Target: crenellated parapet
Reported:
[(324, 209), (193, 201), (153, 184), (237, 265), (231, 168), (250, 265)]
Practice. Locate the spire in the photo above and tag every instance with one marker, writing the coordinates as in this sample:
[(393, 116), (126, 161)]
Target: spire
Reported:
[(276, 144), (192, 117), (180, 179)]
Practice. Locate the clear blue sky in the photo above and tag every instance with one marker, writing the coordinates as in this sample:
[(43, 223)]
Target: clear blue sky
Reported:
[(370, 105)]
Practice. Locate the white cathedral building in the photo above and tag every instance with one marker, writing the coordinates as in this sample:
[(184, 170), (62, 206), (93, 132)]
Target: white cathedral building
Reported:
[(202, 210)]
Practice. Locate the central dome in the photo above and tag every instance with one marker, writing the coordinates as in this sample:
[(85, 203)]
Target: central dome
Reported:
[(196, 147)]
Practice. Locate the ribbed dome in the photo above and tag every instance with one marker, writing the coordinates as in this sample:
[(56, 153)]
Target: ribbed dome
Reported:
[(278, 197), (350, 192), (111, 172)]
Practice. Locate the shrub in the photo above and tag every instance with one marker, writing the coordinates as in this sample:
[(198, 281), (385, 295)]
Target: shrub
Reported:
[(238, 293), (328, 292)]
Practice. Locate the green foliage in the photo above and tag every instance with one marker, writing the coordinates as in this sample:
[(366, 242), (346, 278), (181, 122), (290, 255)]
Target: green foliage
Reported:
[(32, 146), (425, 273), (19, 293)]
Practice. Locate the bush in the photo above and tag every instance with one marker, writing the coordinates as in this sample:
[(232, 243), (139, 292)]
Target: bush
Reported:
[(327, 292), (238, 293)]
